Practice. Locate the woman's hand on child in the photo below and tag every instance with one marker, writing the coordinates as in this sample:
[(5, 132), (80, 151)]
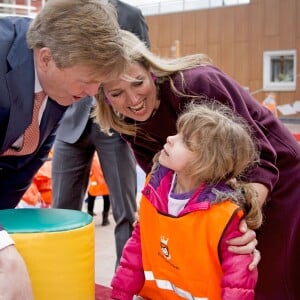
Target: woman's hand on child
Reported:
[(245, 244)]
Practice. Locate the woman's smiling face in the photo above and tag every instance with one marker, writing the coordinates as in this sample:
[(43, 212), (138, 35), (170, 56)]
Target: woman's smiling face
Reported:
[(134, 94)]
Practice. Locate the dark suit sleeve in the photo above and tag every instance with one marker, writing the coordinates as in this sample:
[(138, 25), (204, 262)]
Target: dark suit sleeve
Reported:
[(130, 18), (141, 28), (15, 182)]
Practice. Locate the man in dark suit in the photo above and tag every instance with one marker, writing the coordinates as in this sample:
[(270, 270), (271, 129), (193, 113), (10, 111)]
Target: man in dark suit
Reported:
[(38, 57), (78, 137)]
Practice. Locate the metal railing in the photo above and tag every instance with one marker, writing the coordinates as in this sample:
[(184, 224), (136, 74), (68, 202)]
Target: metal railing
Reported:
[(156, 7), (11, 8), (148, 7)]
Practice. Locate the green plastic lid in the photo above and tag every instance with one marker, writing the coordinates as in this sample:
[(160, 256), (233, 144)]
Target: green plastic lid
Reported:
[(29, 220)]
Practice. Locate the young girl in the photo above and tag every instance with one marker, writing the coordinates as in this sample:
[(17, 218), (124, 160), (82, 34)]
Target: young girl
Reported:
[(191, 206)]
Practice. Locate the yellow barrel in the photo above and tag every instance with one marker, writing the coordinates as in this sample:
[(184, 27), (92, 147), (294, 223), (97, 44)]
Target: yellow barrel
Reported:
[(58, 248)]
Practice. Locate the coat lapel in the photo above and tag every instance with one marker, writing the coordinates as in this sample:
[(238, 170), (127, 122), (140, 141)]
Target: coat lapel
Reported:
[(20, 83)]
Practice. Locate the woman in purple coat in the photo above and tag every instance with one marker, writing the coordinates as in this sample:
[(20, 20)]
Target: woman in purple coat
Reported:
[(144, 103)]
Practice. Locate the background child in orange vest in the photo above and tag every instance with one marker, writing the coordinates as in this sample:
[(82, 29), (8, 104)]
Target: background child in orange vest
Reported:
[(270, 103), (98, 187), (39, 193), (191, 205)]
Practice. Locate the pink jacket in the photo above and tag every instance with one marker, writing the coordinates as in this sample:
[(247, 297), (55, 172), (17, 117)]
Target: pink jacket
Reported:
[(237, 282)]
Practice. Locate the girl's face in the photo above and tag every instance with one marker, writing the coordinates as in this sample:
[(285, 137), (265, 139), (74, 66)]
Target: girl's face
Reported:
[(134, 98), (175, 154)]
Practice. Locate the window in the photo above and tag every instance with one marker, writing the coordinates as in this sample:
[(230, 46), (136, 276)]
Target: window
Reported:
[(279, 70)]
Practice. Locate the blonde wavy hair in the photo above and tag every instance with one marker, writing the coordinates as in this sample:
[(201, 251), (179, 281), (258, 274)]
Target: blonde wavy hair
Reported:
[(137, 52)]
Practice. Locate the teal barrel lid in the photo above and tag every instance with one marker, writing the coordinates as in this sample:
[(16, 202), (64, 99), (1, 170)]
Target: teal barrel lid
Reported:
[(30, 220)]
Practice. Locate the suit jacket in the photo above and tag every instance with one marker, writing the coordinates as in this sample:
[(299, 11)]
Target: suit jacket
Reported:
[(76, 117), (17, 79)]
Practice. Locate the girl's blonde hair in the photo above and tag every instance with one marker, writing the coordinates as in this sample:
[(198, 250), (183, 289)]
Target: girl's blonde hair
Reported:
[(225, 150), (137, 52)]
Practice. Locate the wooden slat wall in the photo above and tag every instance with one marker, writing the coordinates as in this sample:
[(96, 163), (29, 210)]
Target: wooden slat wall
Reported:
[(234, 37)]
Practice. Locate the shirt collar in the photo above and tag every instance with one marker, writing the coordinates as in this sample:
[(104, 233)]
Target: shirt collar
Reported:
[(37, 85)]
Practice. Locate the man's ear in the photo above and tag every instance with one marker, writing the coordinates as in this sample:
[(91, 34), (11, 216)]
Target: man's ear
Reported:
[(44, 58)]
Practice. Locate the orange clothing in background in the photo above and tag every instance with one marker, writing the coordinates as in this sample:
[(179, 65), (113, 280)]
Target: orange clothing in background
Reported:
[(40, 191), (97, 184)]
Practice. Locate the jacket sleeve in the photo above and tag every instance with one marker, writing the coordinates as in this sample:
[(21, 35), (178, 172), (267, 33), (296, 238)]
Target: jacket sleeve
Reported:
[(129, 277), (131, 18), (14, 183), (141, 28), (212, 83), (237, 282)]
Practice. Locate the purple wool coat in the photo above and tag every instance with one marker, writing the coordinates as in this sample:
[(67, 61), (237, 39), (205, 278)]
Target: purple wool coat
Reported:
[(279, 170)]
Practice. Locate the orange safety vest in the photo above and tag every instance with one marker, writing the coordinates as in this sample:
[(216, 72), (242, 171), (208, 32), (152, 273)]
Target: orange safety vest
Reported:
[(180, 254)]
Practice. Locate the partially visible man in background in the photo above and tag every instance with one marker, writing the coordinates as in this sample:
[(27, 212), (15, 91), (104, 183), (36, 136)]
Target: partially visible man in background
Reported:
[(55, 60), (78, 137)]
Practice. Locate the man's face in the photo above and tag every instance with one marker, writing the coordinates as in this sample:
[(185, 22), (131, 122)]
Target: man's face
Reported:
[(65, 85)]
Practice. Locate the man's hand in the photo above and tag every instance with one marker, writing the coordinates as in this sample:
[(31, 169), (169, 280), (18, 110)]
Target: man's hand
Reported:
[(14, 279)]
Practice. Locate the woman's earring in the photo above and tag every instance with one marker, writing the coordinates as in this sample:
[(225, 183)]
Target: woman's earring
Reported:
[(107, 101), (153, 76)]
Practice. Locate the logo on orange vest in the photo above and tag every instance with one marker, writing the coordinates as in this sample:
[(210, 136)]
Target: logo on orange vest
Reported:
[(164, 247)]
